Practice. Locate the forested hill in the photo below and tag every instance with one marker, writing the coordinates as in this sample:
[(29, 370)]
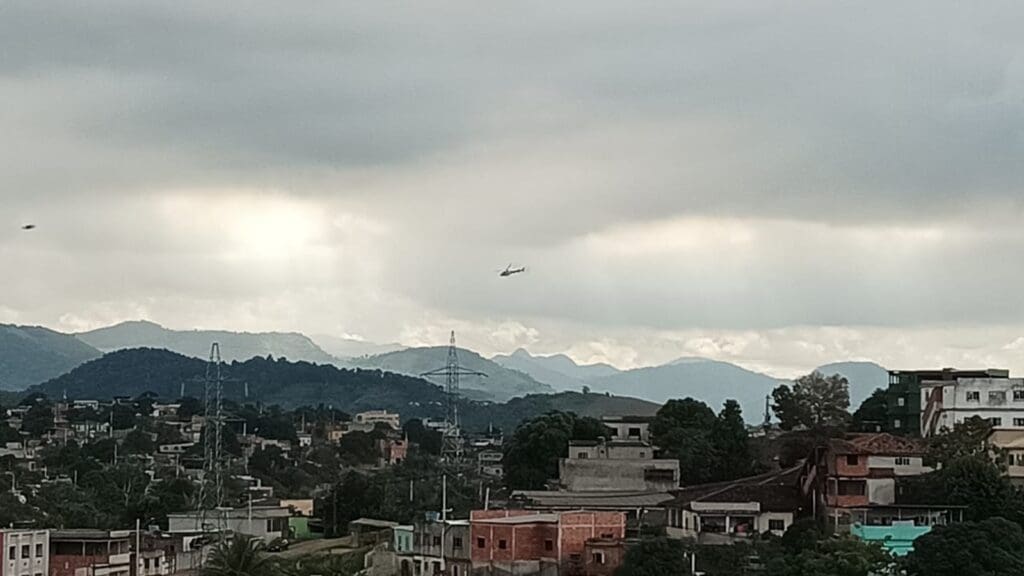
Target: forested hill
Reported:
[(140, 370), (32, 354)]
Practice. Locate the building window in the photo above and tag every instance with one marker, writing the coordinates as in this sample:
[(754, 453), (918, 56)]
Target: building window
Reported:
[(481, 543), (549, 545), (1018, 421), (456, 542), (973, 396), (574, 557), (643, 454), (776, 525), (995, 421), (897, 423), (607, 535), (597, 558), (852, 488), (851, 460), (25, 552), (901, 401), (582, 455), (502, 544), (1018, 395), (39, 550), (997, 397), (12, 553), (436, 541), (634, 432), (902, 461)]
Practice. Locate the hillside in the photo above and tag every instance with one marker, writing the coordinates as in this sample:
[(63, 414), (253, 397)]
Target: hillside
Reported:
[(508, 415), (864, 378), (708, 380), (32, 354), (290, 384), (500, 384), (196, 343), (136, 371), (560, 371)]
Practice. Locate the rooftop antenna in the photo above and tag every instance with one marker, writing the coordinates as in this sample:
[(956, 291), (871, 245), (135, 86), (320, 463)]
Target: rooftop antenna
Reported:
[(451, 438)]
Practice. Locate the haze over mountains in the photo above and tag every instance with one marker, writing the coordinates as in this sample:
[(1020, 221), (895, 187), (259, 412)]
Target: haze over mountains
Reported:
[(32, 355), (500, 384)]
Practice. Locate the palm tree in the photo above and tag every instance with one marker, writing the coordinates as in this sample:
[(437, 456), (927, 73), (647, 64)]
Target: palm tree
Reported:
[(242, 556)]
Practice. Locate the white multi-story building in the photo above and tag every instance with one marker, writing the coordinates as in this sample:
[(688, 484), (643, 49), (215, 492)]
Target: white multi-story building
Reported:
[(374, 417), (24, 552), (945, 404)]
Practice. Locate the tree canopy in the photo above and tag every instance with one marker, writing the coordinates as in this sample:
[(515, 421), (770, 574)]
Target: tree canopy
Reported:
[(815, 401), (531, 455), (993, 547), (655, 557), (709, 447), (872, 415)]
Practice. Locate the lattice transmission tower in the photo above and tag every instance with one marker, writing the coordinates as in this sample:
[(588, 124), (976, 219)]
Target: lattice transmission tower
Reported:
[(451, 440), (211, 491)]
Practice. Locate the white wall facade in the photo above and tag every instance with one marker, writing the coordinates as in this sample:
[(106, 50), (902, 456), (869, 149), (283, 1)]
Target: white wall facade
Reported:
[(900, 465), (24, 552), (999, 400)]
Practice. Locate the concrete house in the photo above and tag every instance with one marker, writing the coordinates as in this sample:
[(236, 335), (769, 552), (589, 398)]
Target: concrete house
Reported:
[(24, 552), (616, 466), (724, 512)]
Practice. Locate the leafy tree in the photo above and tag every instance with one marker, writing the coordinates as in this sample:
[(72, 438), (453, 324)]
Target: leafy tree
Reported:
[(980, 484), (730, 435), (846, 556), (189, 407), (39, 417), (8, 434), (815, 401), (708, 447), (655, 557), (138, 442), (967, 439), (699, 458), (429, 441), (531, 455), (241, 555), (685, 413), (994, 547), (872, 415), (359, 447)]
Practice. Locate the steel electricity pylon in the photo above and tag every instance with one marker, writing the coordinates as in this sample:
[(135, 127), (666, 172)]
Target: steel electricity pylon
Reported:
[(451, 440), (211, 491)]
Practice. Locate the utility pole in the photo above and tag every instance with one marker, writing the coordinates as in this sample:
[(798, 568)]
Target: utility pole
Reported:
[(451, 439)]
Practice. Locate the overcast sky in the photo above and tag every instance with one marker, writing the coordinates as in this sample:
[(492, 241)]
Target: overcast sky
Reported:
[(778, 184)]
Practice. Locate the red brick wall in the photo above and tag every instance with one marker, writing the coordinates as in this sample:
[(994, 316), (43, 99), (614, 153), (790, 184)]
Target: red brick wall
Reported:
[(527, 541), (844, 469), (613, 555), (64, 565)]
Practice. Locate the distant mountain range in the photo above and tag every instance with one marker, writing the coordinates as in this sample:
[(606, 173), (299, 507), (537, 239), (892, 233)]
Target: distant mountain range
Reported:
[(500, 385), (289, 384), (196, 343), (560, 371), (32, 354), (344, 348)]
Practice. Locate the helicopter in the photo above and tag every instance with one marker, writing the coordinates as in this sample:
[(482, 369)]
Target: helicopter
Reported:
[(28, 227), (509, 270)]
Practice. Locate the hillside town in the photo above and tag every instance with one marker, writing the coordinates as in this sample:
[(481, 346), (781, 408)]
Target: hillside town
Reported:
[(124, 486)]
